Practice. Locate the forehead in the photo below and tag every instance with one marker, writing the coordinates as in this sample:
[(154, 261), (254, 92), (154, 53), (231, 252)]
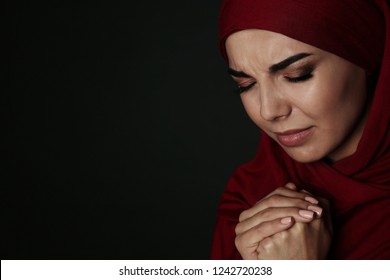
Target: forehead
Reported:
[(261, 47)]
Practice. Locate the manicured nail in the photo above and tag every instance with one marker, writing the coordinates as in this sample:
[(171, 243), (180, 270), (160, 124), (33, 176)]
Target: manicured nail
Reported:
[(316, 209), (311, 199), (286, 221), (306, 214), (291, 186)]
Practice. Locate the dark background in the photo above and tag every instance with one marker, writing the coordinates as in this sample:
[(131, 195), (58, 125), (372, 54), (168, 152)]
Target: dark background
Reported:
[(119, 129)]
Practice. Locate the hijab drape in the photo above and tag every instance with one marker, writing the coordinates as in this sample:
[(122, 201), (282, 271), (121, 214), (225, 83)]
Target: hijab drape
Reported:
[(358, 186)]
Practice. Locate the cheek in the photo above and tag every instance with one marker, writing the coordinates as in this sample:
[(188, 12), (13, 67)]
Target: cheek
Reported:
[(318, 102), (334, 100), (344, 88)]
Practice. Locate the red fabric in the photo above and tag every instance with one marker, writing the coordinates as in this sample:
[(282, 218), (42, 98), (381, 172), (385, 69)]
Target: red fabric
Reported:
[(358, 186)]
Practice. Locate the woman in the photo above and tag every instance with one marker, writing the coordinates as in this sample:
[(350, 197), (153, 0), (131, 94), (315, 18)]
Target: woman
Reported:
[(315, 77)]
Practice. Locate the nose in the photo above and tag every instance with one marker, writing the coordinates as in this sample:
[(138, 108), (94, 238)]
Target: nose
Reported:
[(273, 104)]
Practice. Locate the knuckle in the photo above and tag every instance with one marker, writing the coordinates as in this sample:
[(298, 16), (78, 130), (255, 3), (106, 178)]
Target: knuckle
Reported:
[(281, 235), (238, 241), (273, 200), (238, 229), (266, 245), (259, 231), (265, 214), (277, 191)]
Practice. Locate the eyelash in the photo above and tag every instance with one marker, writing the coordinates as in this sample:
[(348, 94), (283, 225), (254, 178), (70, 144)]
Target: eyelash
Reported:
[(306, 75), (242, 89)]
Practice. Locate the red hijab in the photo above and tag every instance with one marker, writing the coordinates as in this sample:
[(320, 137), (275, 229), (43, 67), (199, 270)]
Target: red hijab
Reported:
[(358, 186)]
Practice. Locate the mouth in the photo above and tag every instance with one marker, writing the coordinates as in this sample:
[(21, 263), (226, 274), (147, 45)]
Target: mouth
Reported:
[(294, 137)]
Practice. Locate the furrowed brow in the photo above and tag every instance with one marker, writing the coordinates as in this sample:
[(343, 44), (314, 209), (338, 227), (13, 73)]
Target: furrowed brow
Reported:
[(238, 74), (286, 62)]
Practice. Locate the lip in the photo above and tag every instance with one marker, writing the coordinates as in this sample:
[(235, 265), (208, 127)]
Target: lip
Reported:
[(294, 137)]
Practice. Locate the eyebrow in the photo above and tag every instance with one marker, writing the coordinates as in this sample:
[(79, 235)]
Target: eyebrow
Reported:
[(286, 62), (238, 74), (273, 68)]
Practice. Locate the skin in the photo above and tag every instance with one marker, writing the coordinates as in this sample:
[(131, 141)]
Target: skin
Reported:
[(262, 234), (321, 93), (331, 103)]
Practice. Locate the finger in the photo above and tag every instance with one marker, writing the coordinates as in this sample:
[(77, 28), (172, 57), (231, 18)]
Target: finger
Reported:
[(266, 245), (310, 197), (290, 190), (275, 201), (317, 210), (305, 191), (269, 214), (247, 242), (326, 213), (291, 186)]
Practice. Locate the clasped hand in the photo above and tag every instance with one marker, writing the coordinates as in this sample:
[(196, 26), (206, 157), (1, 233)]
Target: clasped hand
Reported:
[(286, 224)]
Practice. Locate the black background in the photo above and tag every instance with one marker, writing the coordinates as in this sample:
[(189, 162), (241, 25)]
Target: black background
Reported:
[(119, 129)]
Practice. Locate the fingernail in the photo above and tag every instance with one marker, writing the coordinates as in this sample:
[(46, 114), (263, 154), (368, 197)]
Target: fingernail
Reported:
[(311, 199), (316, 209), (286, 221), (306, 214), (291, 186)]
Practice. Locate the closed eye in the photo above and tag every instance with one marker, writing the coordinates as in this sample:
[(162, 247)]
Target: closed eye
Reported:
[(299, 78), (306, 75), (242, 89), (244, 81)]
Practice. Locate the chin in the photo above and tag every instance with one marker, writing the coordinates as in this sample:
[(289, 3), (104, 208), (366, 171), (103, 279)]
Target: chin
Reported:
[(304, 156)]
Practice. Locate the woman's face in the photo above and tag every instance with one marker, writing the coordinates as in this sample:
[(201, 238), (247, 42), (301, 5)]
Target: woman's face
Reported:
[(311, 102)]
